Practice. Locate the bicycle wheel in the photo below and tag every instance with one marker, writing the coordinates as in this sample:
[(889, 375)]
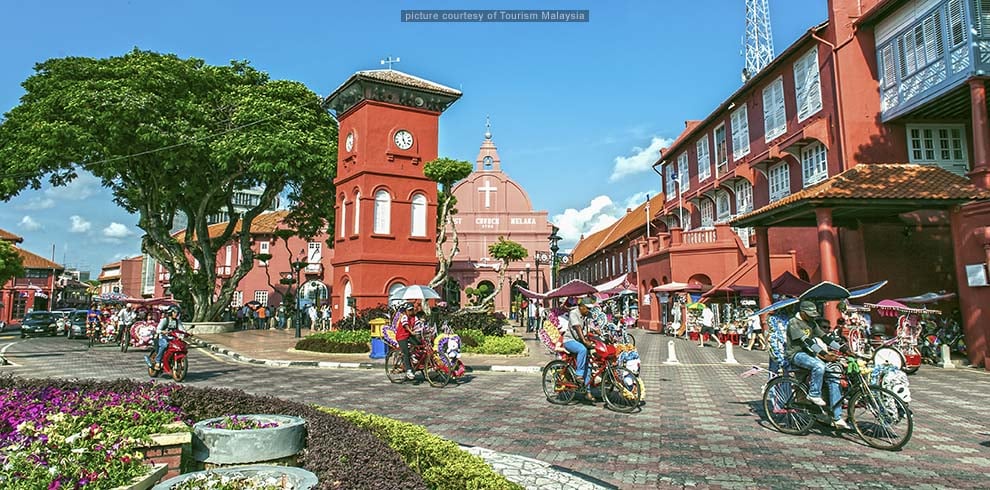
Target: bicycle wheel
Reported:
[(620, 390), (125, 340), (630, 339), (393, 367), (558, 383), (435, 375), (785, 402), (881, 418), (888, 355)]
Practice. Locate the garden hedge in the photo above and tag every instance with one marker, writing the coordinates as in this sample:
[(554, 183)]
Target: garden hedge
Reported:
[(340, 453), (441, 463), (344, 341)]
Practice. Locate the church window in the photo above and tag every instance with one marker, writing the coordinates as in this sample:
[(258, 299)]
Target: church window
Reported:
[(383, 210), (419, 215), (343, 216), (357, 213)]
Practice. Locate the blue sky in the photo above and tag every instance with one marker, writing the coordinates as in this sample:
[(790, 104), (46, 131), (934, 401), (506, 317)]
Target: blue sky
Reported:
[(569, 103)]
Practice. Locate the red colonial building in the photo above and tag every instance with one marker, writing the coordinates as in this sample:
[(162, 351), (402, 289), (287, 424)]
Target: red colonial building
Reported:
[(123, 277), (386, 207), (34, 290), (491, 205), (861, 150), (262, 282)]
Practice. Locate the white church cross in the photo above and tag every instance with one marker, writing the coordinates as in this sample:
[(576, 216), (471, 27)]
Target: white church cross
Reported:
[(488, 189)]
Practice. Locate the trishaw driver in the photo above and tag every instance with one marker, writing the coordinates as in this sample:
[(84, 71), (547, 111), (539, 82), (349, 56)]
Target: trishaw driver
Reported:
[(807, 349)]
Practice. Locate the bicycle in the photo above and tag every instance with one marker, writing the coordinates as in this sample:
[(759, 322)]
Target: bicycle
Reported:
[(422, 358), (621, 388), (878, 415)]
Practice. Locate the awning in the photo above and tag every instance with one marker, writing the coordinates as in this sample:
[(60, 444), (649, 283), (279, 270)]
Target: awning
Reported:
[(786, 284), (530, 294), (575, 287), (617, 284), (924, 299), (676, 287)]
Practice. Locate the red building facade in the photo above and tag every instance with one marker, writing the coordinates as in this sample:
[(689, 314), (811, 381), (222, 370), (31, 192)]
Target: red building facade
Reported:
[(124, 277), (386, 207), (34, 290)]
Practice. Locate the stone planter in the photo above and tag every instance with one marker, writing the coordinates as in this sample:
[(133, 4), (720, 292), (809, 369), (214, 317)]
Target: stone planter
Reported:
[(298, 478), (209, 327), (224, 446), (155, 474)]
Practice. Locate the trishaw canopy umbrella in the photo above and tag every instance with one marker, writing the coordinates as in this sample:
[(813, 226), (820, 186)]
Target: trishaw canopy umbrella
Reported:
[(696, 306), (575, 287)]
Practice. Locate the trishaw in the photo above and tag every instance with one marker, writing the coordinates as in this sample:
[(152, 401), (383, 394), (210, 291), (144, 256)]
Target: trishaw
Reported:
[(142, 333), (438, 357), (901, 350), (876, 399)]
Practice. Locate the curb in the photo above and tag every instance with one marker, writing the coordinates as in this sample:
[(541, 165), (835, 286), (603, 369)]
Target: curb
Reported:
[(226, 352)]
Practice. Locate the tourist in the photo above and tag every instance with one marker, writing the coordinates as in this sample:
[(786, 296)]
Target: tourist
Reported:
[(754, 330), (708, 327), (314, 316), (280, 316), (531, 311)]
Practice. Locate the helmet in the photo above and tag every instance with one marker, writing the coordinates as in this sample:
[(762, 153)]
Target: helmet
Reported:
[(407, 307), (173, 309)]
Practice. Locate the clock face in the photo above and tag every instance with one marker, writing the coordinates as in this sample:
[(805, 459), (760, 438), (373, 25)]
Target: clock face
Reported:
[(403, 139), (349, 142)]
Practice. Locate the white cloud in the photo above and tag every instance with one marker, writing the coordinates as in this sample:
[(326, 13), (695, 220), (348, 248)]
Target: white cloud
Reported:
[(79, 225), (82, 187), (38, 203), (641, 161), (600, 213), (28, 223), (116, 231)]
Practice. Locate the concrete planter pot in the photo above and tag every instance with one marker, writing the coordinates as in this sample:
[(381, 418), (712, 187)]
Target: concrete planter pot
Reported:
[(209, 327), (224, 446), (155, 474), (292, 478)]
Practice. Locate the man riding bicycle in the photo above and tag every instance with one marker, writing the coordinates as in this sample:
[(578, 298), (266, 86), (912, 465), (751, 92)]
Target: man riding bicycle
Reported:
[(807, 348), (168, 324), (126, 319)]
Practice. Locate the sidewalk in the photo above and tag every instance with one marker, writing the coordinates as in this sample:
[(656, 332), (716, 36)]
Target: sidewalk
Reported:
[(276, 348)]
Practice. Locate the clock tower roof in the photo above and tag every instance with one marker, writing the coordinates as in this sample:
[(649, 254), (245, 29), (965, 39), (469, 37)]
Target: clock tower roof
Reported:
[(391, 86), (488, 160)]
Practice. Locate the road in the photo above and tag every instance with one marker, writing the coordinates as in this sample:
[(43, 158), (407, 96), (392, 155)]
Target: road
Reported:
[(701, 424)]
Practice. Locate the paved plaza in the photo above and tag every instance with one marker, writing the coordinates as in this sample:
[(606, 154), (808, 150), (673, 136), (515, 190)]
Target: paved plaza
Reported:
[(701, 425)]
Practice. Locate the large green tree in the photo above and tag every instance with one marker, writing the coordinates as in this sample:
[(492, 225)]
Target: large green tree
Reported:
[(171, 136), (445, 172), (11, 262)]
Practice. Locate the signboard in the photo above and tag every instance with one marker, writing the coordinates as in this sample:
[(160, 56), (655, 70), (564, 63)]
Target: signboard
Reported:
[(352, 302), (664, 297), (646, 300), (976, 275)]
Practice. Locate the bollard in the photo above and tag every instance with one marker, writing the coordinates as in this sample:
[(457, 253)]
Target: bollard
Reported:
[(671, 354), (729, 358), (946, 358)]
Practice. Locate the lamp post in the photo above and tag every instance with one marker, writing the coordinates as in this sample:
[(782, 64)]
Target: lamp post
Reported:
[(297, 268), (554, 239)]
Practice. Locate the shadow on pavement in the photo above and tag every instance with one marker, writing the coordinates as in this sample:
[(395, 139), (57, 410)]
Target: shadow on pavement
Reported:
[(202, 375)]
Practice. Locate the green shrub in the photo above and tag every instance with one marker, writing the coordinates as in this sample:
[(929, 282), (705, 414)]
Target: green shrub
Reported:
[(442, 464), (343, 336), (326, 346), (498, 345), (470, 337), (360, 320)]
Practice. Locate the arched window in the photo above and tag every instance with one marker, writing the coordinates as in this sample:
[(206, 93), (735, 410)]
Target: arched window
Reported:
[(347, 294), (343, 216), (419, 215), (722, 209), (357, 213), (707, 213), (383, 211)]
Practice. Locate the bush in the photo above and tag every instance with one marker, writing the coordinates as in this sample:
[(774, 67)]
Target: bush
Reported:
[(471, 338), (504, 345), (441, 463), (341, 454), (359, 321), (487, 323), (341, 342)]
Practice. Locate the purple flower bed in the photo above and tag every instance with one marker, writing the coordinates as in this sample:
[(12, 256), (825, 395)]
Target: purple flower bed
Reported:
[(70, 437)]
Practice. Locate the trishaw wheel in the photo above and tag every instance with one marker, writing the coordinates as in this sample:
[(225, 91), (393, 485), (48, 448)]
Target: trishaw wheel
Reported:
[(558, 383), (620, 390), (881, 418), (630, 339), (393, 367), (435, 374), (785, 402), (179, 369), (888, 355)]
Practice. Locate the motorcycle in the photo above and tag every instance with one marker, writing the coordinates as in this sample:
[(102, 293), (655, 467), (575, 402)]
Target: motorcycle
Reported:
[(174, 361)]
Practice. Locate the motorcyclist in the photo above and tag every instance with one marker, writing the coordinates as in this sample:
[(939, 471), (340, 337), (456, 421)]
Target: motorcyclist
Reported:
[(168, 324)]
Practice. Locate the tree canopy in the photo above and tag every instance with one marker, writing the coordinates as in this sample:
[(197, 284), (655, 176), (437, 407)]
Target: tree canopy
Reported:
[(171, 136), (505, 251), (11, 262)]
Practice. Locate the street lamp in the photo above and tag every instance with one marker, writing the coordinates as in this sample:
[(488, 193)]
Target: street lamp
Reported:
[(554, 239), (297, 267)]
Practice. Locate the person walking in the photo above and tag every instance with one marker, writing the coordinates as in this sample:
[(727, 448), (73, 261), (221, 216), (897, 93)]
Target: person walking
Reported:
[(708, 327), (313, 316), (280, 316), (262, 321)]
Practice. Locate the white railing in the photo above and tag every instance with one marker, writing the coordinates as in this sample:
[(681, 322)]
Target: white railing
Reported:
[(699, 236)]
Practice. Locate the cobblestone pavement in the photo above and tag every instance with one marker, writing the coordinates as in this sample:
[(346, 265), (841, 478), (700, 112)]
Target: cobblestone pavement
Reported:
[(701, 425)]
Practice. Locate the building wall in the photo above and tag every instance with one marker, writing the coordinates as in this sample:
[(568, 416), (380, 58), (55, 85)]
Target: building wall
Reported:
[(971, 243)]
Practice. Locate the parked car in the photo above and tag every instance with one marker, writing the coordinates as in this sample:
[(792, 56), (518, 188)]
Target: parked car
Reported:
[(39, 323), (77, 324)]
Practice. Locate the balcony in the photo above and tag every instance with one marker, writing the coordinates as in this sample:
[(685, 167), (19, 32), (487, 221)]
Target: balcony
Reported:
[(922, 55)]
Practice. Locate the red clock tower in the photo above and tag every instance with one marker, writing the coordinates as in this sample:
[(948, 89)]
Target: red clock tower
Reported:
[(386, 209)]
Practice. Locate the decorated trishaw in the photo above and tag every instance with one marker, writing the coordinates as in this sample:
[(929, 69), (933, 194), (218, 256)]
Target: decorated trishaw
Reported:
[(438, 356), (142, 333)]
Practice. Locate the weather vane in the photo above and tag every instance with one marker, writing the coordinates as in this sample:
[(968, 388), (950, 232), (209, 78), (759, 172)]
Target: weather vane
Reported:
[(388, 61)]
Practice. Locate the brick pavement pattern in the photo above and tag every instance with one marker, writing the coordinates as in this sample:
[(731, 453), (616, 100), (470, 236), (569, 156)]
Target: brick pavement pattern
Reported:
[(701, 425)]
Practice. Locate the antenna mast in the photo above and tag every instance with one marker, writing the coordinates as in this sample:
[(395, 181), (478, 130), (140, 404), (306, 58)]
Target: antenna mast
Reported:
[(758, 44)]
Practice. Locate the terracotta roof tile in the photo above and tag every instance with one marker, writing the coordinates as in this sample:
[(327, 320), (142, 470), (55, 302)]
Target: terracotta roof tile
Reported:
[(399, 78), (887, 181), (34, 261), (264, 224), (604, 238), (10, 237)]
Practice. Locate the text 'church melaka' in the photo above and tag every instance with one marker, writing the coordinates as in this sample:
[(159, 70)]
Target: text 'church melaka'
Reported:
[(385, 230)]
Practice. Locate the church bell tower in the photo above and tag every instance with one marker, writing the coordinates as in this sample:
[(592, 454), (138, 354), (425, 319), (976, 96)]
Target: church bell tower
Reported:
[(386, 208)]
